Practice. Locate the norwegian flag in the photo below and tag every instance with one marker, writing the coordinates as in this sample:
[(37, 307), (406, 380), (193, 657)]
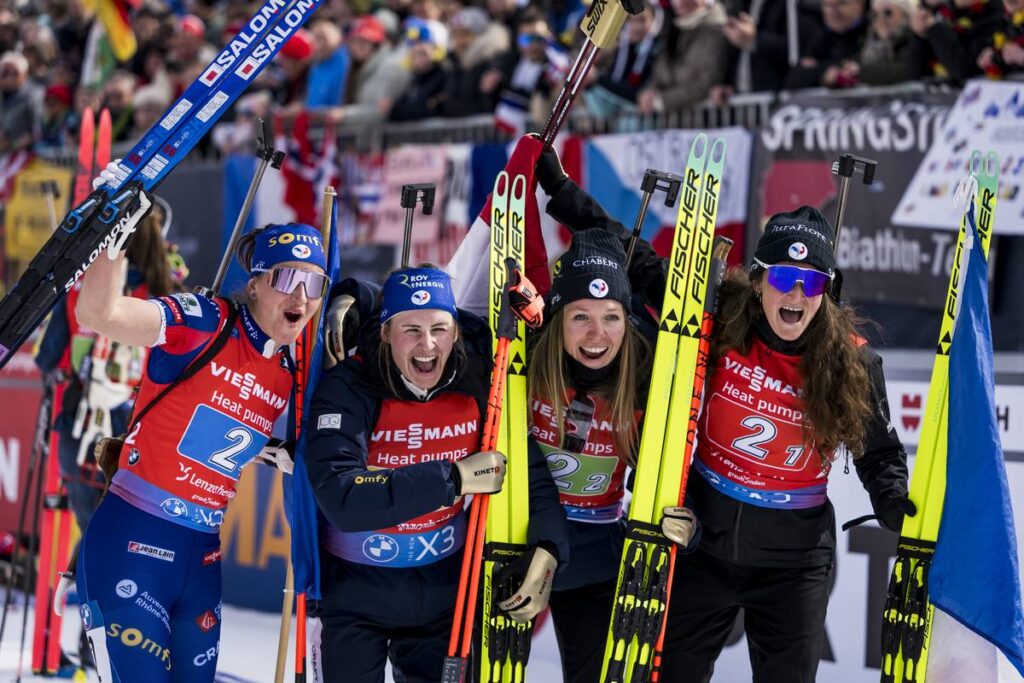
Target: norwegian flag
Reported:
[(307, 170)]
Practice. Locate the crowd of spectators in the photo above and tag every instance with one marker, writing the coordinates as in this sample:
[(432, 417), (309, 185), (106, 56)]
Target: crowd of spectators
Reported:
[(365, 61)]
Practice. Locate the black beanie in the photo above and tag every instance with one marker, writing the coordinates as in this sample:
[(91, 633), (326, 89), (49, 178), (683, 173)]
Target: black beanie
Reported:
[(803, 235), (593, 268)]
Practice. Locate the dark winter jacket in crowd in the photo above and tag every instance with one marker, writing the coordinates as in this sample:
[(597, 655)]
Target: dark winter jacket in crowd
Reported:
[(830, 49), (463, 96), (953, 43), (423, 97), (351, 396), (769, 60)]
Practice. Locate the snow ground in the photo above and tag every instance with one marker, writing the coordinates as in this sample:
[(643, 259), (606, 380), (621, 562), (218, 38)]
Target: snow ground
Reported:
[(248, 652)]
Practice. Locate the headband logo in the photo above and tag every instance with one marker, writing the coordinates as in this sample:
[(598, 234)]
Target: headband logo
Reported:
[(420, 297), (301, 251), (598, 288), (798, 251)]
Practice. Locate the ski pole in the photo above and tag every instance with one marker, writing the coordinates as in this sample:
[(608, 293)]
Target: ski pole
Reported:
[(412, 194), (51, 192), (653, 181), (35, 466), (601, 26), (268, 156), (845, 167), (287, 602)]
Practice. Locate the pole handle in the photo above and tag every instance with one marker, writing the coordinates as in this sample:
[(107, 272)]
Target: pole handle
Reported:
[(654, 180)]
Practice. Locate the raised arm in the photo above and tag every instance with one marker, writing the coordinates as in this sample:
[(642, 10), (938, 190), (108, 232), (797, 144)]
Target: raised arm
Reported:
[(104, 307)]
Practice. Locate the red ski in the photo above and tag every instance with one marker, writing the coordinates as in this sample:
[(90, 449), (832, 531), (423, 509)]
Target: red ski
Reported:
[(57, 526)]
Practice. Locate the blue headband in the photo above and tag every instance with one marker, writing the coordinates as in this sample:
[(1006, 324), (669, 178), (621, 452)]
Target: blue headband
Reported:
[(417, 289), (288, 242)]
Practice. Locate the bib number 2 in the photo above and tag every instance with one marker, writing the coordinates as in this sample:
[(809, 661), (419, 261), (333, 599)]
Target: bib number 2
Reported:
[(233, 444)]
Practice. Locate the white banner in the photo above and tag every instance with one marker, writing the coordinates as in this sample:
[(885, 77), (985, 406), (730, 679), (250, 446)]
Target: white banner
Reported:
[(988, 116)]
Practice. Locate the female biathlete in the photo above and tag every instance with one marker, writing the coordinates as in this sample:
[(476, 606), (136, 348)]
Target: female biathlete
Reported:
[(792, 387), (148, 571), (589, 370), (394, 436)]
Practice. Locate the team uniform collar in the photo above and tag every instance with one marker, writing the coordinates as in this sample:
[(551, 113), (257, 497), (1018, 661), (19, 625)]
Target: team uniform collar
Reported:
[(259, 339)]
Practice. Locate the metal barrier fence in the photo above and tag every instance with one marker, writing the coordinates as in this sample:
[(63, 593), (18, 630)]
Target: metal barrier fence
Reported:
[(748, 111)]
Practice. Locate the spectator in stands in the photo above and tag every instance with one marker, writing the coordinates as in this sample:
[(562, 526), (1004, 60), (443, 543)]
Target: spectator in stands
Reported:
[(821, 64), (1005, 56), (8, 30), (56, 117), (426, 42), (378, 77), (18, 109), (526, 76), (759, 32), (72, 33), (887, 56), (117, 97), (952, 34), (188, 45), (475, 41), (694, 60), (148, 105), (626, 70), (327, 75), (286, 76)]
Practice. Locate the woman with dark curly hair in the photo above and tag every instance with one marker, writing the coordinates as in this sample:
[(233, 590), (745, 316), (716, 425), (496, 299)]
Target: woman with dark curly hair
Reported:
[(792, 388)]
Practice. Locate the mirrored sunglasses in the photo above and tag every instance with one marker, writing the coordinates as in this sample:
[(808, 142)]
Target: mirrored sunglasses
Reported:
[(784, 278), (285, 280)]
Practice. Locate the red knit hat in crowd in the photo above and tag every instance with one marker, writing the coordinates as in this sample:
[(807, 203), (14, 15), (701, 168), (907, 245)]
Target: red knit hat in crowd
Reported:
[(299, 46), (369, 29)]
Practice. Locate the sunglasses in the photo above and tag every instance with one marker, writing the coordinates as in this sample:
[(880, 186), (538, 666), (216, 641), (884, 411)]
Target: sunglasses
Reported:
[(784, 278), (286, 280)]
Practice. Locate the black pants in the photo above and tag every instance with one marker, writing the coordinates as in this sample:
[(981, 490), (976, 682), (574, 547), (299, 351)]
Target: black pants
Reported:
[(784, 616), (581, 617), (354, 649)]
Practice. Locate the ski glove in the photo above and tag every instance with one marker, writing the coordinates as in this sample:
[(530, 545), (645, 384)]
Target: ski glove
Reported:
[(278, 454), (892, 511), (482, 472), (533, 574), (550, 174), (342, 318), (135, 214), (680, 525)]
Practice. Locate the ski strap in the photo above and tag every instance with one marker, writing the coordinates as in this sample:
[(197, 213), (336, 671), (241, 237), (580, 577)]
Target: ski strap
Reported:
[(112, 446)]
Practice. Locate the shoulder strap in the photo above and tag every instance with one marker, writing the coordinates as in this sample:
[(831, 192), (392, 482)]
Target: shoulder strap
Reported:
[(196, 365)]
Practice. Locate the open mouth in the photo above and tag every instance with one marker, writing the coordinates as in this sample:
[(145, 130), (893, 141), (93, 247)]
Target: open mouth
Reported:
[(292, 316), (791, 315), (425, 365), (593, 352)]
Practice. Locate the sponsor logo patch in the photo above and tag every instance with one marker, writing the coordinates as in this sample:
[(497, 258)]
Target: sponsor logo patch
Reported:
[(151, 551), (301, 251), (133, 456), (126, 588), (598, 288), (211, 557), (380, 548), (189, 304), (206, 621), (420, 297), (329, 421), (798, 251)]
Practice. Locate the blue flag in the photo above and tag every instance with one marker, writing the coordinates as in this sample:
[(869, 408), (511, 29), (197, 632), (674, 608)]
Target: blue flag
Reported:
[(303, 514), (974, 577)]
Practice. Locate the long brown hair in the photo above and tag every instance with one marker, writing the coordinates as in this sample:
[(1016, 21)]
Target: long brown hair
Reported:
[(548, 377), (147, 251), (836, 386)]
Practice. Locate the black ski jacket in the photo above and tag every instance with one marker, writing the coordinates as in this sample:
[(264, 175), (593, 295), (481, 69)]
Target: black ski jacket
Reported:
[(355, 389), (730, 529)]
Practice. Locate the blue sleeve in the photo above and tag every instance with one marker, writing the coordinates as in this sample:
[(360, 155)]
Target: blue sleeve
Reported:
[(189, 322), (55, 339), (351, 496), (548, 523)]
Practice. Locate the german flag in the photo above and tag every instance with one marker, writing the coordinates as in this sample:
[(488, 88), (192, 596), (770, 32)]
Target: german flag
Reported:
[(116, 19)]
